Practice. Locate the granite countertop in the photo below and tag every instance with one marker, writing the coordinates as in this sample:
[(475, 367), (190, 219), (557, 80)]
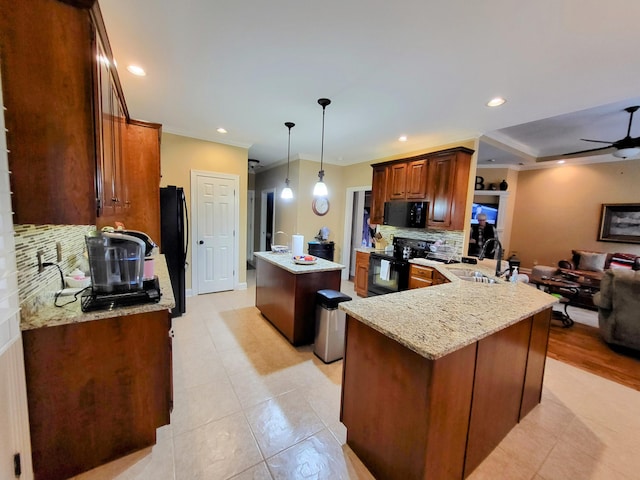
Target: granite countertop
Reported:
[(285, 261), (435, 321), (369, 250), (51, 316)]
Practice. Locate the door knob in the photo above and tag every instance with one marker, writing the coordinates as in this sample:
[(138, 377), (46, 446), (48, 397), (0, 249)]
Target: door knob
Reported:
[(201, 242)]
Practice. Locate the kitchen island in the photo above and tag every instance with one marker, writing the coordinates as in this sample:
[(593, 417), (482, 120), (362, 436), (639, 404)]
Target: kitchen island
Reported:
[(99, 383), (434, 378), (286, 292)]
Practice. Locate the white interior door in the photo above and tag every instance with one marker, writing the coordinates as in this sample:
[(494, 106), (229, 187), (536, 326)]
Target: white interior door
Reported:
[(348, 250), (215, 242), (251, 202)]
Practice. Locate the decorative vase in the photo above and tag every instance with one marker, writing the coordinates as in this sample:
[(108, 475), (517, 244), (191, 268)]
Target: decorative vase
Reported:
[(504, 185)]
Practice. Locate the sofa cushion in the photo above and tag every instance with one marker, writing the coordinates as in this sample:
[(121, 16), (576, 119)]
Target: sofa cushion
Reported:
[(590, 261), (623, 260)]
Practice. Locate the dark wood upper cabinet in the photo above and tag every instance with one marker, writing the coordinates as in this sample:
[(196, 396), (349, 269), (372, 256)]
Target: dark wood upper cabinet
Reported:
[(397, 181), (448, 188), (379, 188), (74, 150), (417, 175), (47, 80), (440, 178)]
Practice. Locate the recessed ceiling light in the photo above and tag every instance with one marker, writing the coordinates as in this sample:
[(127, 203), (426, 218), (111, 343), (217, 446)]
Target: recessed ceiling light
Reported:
[(560, 162), (496, 102), (136, 70), (402, 138), (221, 130)]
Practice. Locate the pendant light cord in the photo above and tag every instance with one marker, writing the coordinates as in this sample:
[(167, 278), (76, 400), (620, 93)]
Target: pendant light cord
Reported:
[(289, 125), (324, 102), (322, 144)]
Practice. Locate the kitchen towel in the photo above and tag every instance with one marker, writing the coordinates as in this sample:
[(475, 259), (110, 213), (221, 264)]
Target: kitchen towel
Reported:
[(297, 245), (384, 270)]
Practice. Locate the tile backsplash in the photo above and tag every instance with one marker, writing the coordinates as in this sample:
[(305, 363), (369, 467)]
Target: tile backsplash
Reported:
[(452, 238), (38, 288)]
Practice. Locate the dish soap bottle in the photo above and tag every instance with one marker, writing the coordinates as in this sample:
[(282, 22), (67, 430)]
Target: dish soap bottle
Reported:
[(514, 275)]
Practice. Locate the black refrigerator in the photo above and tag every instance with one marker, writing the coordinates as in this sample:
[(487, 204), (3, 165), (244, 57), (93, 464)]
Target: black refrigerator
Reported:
[(174, 238)]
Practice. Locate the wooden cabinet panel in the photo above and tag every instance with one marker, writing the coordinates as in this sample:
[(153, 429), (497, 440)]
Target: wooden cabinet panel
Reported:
[(448, 188), (397, 181), (422, 276), (532, 392), (361, 280), (441, 180), (97, 390), (417, 172), (67, 120), (406, 416), (140, 183), (497, 391), (47, 83), (288, 300), (378, 194), (410, 417)]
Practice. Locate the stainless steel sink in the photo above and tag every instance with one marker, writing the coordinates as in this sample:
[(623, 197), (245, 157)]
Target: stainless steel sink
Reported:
[(472, 276)]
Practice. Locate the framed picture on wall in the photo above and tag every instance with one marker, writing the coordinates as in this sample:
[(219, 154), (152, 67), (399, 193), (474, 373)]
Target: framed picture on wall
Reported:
[(620, 222)]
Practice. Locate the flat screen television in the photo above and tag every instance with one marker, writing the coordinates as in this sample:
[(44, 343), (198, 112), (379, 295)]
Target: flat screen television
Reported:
[(489, 209)]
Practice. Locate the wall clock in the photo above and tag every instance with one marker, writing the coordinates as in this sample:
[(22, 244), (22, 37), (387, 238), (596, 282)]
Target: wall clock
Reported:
[(320, 206)]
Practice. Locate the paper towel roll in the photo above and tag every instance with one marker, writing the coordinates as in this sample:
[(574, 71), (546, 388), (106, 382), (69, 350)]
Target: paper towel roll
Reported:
[(297, 244)]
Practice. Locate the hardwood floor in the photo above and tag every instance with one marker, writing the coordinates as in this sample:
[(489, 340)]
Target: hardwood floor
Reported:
[(583, 347)]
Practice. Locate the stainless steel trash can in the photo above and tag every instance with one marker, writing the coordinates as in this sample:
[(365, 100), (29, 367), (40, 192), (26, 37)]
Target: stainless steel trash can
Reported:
[(330, 325)]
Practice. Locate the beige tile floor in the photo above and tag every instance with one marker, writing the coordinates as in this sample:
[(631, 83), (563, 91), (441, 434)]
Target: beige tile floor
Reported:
[(248, 405)]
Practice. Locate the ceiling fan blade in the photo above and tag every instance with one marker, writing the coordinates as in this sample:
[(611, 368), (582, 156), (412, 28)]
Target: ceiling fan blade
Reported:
[(631, 111), (581, 153), (597, 141)]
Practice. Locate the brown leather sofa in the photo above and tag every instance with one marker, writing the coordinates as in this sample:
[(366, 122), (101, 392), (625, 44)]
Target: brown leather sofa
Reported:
[(587, 268), (592, 265), (618, 305)]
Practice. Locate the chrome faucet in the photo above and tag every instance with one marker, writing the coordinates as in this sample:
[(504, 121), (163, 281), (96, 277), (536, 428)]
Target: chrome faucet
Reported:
[(499, 260)]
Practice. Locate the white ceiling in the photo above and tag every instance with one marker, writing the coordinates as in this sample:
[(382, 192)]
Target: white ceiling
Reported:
[(421, 68)]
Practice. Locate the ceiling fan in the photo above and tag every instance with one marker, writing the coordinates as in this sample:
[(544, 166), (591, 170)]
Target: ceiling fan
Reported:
[(624, 148)]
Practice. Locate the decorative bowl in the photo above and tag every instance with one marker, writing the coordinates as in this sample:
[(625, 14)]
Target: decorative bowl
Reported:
[(303, 259)]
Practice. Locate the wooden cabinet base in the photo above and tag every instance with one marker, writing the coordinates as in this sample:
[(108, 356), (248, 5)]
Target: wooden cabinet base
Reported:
[(96, 390), (288, 300), (410, 417)]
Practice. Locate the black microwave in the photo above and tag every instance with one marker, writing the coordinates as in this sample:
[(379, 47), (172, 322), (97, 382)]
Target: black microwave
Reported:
[(405, 214)]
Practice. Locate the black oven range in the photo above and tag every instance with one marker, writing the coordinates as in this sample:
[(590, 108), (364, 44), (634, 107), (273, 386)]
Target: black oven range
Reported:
[(389, 272)]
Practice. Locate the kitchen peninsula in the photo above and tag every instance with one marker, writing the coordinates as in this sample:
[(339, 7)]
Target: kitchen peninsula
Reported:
[(434, 378), (99, 383), (286, 292)]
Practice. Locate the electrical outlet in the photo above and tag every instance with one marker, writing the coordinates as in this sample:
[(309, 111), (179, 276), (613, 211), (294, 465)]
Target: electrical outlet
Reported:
[(39, 254), (58, 252)]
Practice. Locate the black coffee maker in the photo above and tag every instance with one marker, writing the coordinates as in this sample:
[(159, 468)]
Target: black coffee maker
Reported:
[(116, 261)]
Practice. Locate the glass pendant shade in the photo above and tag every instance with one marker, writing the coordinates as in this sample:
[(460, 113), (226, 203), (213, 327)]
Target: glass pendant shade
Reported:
[(287, 193), (320, 188)]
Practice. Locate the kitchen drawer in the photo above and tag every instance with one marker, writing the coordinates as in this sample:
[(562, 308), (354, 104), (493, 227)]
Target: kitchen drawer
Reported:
[(417, 282), (421, 272)]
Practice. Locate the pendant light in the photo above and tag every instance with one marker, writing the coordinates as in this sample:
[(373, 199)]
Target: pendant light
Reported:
[(287, 193), (320, 189)]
